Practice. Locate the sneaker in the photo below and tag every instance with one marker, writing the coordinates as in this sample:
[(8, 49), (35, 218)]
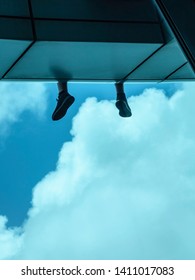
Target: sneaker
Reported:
[(64, 101), (124, 109), (121, 103)]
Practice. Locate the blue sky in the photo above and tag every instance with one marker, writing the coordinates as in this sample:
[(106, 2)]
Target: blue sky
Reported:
[(62, 171)]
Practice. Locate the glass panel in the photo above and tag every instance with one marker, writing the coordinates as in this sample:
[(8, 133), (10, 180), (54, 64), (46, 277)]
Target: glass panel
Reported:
[(10, 50), (14, 8), (185, 72), (160, 65), (19, 29), (54, 30), (116, 10), (80, 60)]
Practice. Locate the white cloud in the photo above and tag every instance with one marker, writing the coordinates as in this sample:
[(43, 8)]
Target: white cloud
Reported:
[(123, 188), (15, 98), (10, 239)]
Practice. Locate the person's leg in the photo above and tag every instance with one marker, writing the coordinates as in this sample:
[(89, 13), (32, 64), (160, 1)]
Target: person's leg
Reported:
[(64, 101), (121, 101)]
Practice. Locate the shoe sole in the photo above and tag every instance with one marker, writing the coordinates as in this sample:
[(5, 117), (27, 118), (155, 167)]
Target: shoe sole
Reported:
[(124, 110), (61, 111)]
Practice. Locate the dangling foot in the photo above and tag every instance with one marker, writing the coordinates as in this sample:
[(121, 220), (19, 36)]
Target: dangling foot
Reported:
[(121, 103), (124, 109), (64, 101)]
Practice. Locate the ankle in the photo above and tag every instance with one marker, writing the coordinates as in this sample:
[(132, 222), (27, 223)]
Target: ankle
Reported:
[(121, 96), (62, 87)]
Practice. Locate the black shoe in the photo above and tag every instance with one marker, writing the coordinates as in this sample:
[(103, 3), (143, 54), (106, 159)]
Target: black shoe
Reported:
[(121, 103), (124, 109), (65, 100)]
